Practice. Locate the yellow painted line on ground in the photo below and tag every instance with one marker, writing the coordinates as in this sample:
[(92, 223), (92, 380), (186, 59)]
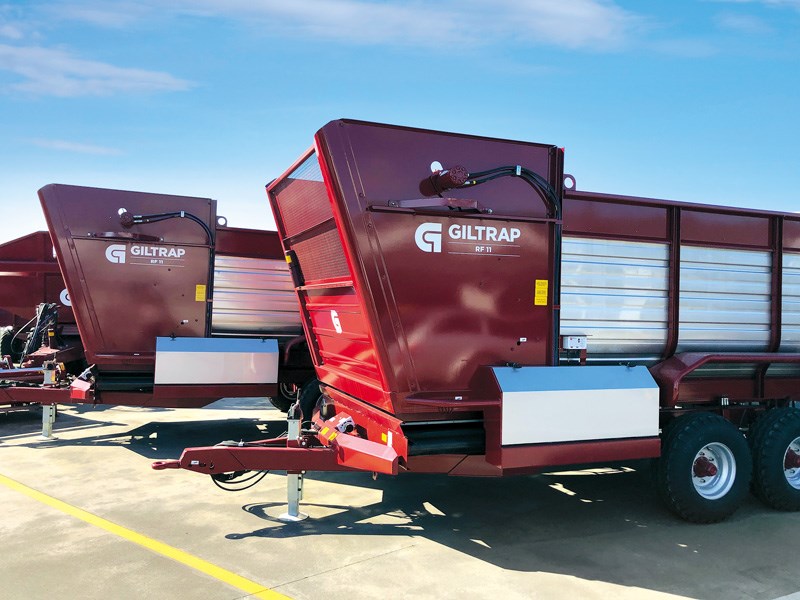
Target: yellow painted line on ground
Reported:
[(256, 590)]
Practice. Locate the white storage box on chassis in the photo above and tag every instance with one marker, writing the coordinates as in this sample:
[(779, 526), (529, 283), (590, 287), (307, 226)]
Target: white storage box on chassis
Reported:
[(570, 404), (217, 361)]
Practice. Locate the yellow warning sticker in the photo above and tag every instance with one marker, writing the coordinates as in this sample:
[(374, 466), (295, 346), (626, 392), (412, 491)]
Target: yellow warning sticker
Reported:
[(384, 438), (199, 293), (540, 295)]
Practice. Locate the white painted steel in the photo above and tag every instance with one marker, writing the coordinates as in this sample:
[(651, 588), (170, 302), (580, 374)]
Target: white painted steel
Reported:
[(254, 296), (615, 292), (49, 412), (294, 481), (215, 361), (559, 404)]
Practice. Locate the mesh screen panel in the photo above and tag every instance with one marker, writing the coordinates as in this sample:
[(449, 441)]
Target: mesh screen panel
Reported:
[(303, 204), (302, 198), (321, 256)]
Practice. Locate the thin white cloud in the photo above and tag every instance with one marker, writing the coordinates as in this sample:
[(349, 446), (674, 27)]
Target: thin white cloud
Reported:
[(10, 32), (574, 24), (55, 72), (685, 48), (748, 24), (778, 3), (102, 14), (79, 148)]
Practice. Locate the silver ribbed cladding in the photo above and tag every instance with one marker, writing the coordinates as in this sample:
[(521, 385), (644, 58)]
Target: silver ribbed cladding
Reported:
[(254, 296), (616, 293)]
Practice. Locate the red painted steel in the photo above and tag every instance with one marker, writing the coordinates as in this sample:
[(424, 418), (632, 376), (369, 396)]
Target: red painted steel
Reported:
[(529, 459), (227, 459), (29, 275), (250, 243), (124, 300), (415, 323), (131, 283), (670, 373)]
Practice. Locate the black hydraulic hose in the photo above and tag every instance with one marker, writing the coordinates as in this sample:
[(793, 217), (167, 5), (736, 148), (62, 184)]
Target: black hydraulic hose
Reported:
[(182, 214), (127, 219), (539, 183)]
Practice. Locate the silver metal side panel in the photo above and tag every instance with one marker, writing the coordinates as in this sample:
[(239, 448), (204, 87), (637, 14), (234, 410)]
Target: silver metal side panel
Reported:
[(254, 296), (724, 300), (215, 361), (615, 292), (790, 306), (567, 404)]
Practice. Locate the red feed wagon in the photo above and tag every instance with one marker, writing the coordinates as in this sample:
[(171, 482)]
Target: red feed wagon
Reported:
[(467, 315), (173, 308)]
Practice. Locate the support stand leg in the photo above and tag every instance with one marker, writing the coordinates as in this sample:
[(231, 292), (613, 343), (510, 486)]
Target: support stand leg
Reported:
[(294, 481), (48, 418), (294, 489)]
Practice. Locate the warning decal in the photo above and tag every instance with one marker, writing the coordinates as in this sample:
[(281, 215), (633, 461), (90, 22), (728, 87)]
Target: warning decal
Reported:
[(540, 296)]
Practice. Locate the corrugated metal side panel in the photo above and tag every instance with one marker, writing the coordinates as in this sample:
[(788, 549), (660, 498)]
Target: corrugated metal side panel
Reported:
[(254, 296), (724, 300), (790, 306), (616, 293)]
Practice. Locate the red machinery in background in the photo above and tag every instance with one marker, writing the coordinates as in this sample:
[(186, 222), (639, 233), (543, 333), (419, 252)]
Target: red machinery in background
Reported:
[(29, 275), (172, 307), (32, 291)]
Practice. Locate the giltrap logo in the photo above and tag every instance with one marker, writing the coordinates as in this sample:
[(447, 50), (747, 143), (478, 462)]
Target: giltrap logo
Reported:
[(468, 239), (144, 255), (115, 253), (64, 298), (429, 237)]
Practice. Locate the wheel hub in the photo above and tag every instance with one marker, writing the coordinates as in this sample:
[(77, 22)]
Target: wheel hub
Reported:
[(703, 467), (714, 471)]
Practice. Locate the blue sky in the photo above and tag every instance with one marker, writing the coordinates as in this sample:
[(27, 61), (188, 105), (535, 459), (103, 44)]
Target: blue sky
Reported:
[(686, 100)]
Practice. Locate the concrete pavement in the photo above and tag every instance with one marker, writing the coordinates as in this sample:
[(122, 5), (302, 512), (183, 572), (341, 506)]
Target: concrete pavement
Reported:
[(587, 534)]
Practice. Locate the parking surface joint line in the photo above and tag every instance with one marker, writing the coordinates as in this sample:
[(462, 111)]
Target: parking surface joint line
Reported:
[(251, 588)]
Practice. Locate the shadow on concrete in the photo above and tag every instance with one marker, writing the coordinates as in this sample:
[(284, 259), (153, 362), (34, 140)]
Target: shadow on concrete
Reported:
[(160, 440), (602, 524), (23, 424)]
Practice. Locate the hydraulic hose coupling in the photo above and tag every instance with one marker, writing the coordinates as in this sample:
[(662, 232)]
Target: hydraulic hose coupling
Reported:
[(444, 180), (126, 219)]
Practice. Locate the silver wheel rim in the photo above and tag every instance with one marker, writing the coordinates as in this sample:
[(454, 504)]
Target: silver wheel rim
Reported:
[(714, 471), (790, 471)]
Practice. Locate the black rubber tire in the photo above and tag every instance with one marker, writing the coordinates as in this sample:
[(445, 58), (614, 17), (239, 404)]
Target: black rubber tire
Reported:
[(283, 400), (6, 337), (281, 403), (770, 437), (310, 395), (683, 439)]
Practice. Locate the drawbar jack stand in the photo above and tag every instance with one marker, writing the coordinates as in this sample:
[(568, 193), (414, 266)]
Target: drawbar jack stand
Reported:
[(294, 481)]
